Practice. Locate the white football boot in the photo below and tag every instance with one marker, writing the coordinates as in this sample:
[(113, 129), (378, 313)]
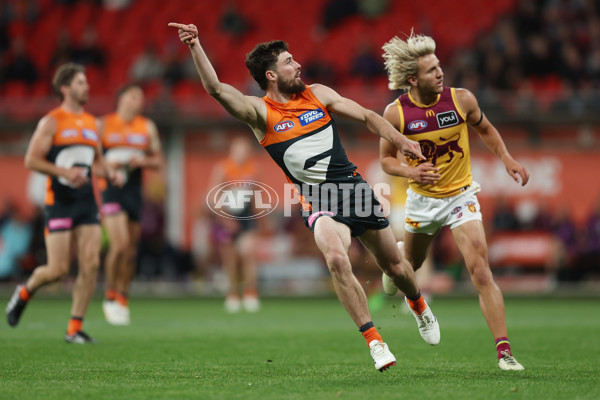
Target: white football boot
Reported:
[(508, 362), (382, 356), (428, 325), (115, 313)]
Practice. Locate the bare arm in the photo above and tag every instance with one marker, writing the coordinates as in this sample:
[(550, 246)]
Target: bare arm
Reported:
[(394, 164), (38, 149), (248, 109), (101, 167), (374, 122), (154, 157), (490, 135)]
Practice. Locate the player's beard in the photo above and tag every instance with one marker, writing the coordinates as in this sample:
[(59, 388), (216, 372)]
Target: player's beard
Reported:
[(290, 87), (80, 98)]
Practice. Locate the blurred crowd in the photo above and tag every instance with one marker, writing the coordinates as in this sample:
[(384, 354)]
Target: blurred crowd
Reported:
[(546, 51)]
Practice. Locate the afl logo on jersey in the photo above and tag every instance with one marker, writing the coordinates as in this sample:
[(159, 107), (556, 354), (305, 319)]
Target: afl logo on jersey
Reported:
[(283, 126), (418, 125)]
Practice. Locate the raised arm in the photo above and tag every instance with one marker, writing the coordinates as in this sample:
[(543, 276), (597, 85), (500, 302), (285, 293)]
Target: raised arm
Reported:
[(490, 135), (249, 109), (374, 122)]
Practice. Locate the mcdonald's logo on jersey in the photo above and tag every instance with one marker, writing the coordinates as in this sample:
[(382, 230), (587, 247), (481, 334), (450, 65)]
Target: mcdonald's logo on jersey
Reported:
[(430, 113)]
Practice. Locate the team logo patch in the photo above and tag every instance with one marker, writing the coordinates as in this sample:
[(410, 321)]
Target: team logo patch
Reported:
[(283, 126), (89, 134), (113, 137), (456, 210), (446, 119), (471, 206), (137, 139), (311, 116), (67, 133), (412, 223), (418, 125)]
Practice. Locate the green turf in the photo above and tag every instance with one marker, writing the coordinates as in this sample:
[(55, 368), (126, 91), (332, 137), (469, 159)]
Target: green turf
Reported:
[(300, 349)]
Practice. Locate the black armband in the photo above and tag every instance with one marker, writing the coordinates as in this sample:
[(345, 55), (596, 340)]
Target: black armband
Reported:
[(480, 119)]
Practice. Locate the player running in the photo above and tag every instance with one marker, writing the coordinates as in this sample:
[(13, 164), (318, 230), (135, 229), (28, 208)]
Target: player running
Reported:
[(64, 146), (441, 189)]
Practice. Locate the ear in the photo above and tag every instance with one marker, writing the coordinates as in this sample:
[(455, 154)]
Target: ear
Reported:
[(413, 81), (271, 75)]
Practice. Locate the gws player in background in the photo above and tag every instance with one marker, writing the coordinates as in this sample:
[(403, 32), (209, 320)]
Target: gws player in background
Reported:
[(235, 235), (441, 189), (131, 143), (293, 123), (64, 147)]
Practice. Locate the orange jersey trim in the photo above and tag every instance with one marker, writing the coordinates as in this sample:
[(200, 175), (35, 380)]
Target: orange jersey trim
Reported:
[(120, 133), (74, 129), (288, 121)]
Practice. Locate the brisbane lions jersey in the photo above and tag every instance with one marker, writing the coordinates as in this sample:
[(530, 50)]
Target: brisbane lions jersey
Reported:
[(303, 140), (74, 144), (441, 130)]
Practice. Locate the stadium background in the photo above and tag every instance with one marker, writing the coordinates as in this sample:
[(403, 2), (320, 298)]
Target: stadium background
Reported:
[(534, 66)]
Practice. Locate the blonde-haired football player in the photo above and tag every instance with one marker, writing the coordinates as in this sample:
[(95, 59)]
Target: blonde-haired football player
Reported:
[(441, 189)]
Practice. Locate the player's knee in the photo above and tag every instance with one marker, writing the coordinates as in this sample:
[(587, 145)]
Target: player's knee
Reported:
[(338, 262), (481, 276), (121, 248), (58, 270)]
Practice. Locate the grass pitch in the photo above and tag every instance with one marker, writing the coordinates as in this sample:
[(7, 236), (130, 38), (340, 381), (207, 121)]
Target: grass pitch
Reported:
[(300, 349)]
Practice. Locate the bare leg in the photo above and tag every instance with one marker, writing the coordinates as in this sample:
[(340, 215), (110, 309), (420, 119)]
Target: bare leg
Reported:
[(382, 243), (333, 239), (58, 247), (127, 270), (88, 255), (249, 270), (470, 238), (116, 260)]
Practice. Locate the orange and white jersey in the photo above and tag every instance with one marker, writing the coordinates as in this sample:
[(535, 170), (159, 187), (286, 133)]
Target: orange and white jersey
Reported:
[(74, 144), (441, 130), (302, 139), (121, 142)]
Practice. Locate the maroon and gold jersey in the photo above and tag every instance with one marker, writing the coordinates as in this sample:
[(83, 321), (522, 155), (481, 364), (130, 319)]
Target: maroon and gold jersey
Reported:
[(441, 130), (74, 144), (303, 140)]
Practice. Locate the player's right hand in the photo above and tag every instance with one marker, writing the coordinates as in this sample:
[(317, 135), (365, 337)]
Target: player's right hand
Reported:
[(77, 176), (425, 173), (188, 34)]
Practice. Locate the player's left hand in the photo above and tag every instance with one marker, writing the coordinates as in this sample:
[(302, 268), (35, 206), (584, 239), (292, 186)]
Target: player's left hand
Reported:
[(517, 172), (412, 149), (187, 33)]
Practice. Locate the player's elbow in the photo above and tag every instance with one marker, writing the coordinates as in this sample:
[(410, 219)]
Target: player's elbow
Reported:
[(214, 89), (29, 161), (386, 166)]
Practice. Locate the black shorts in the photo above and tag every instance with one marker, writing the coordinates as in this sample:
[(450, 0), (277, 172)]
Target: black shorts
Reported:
[(66, 215), (116, 200), (355, 205)]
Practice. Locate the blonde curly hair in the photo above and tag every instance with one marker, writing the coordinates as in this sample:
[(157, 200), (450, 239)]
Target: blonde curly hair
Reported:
[(401, 58)]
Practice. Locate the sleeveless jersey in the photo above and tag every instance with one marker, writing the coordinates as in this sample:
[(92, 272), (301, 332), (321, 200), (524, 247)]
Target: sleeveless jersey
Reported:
[(302, 138), (441, 130), (122, 141), (233, 171), (74, 144)]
